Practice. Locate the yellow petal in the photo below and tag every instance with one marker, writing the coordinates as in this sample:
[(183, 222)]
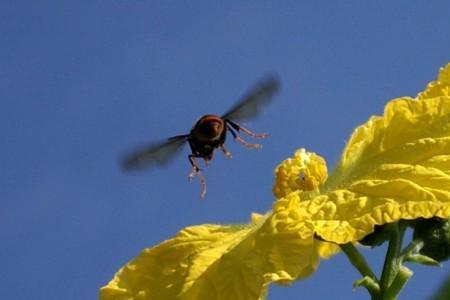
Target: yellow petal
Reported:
[(293, 214), (395, 166), (161, 272), (440, 87), (219, 262), (354, 214), (410, 132)]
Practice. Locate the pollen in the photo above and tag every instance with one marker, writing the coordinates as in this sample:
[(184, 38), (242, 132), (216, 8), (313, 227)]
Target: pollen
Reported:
[(304, 171)]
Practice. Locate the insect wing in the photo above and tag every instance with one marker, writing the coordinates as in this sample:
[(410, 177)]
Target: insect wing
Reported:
[(154, 154), (250, 106)]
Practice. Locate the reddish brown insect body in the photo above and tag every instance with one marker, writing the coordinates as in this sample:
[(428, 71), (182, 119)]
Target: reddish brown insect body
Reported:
[(207, 134)]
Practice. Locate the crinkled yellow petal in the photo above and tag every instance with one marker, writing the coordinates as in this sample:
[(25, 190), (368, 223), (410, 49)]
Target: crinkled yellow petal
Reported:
[(344, 216), (161, 272), (295, 215), (219, 262), (440, 87), (409, 132), (394, 167)]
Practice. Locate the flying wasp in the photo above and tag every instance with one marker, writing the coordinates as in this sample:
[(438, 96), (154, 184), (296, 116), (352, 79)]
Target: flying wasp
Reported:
[(207, 134)]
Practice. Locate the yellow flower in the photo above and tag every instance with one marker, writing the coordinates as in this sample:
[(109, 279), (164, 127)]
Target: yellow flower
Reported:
[(395, 166)]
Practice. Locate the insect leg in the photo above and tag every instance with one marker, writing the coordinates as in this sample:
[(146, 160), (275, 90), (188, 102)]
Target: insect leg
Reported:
[(233, 127), (193, 162), (225, 151), (196, 172), (247, 131)]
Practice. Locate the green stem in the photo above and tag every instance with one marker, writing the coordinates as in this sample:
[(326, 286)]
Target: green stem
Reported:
[(412, 254), (370, 284), (357, 260), (369, 280), (392, 261), (400, 280), (414, 247)]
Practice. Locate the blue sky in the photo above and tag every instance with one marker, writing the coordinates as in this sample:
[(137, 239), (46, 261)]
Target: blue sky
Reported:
[(82, 82)]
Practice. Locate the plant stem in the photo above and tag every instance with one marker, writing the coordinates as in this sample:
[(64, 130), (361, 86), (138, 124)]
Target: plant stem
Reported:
[(357, 260), (392, 261), (413, 248), (400, 280), (369, 280)]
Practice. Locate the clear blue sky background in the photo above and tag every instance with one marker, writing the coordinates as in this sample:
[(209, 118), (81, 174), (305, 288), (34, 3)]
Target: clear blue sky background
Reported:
[(82, 82)]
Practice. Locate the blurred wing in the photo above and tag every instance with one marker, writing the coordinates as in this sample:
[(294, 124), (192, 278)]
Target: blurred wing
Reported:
[(154, 154), (250, 106)]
